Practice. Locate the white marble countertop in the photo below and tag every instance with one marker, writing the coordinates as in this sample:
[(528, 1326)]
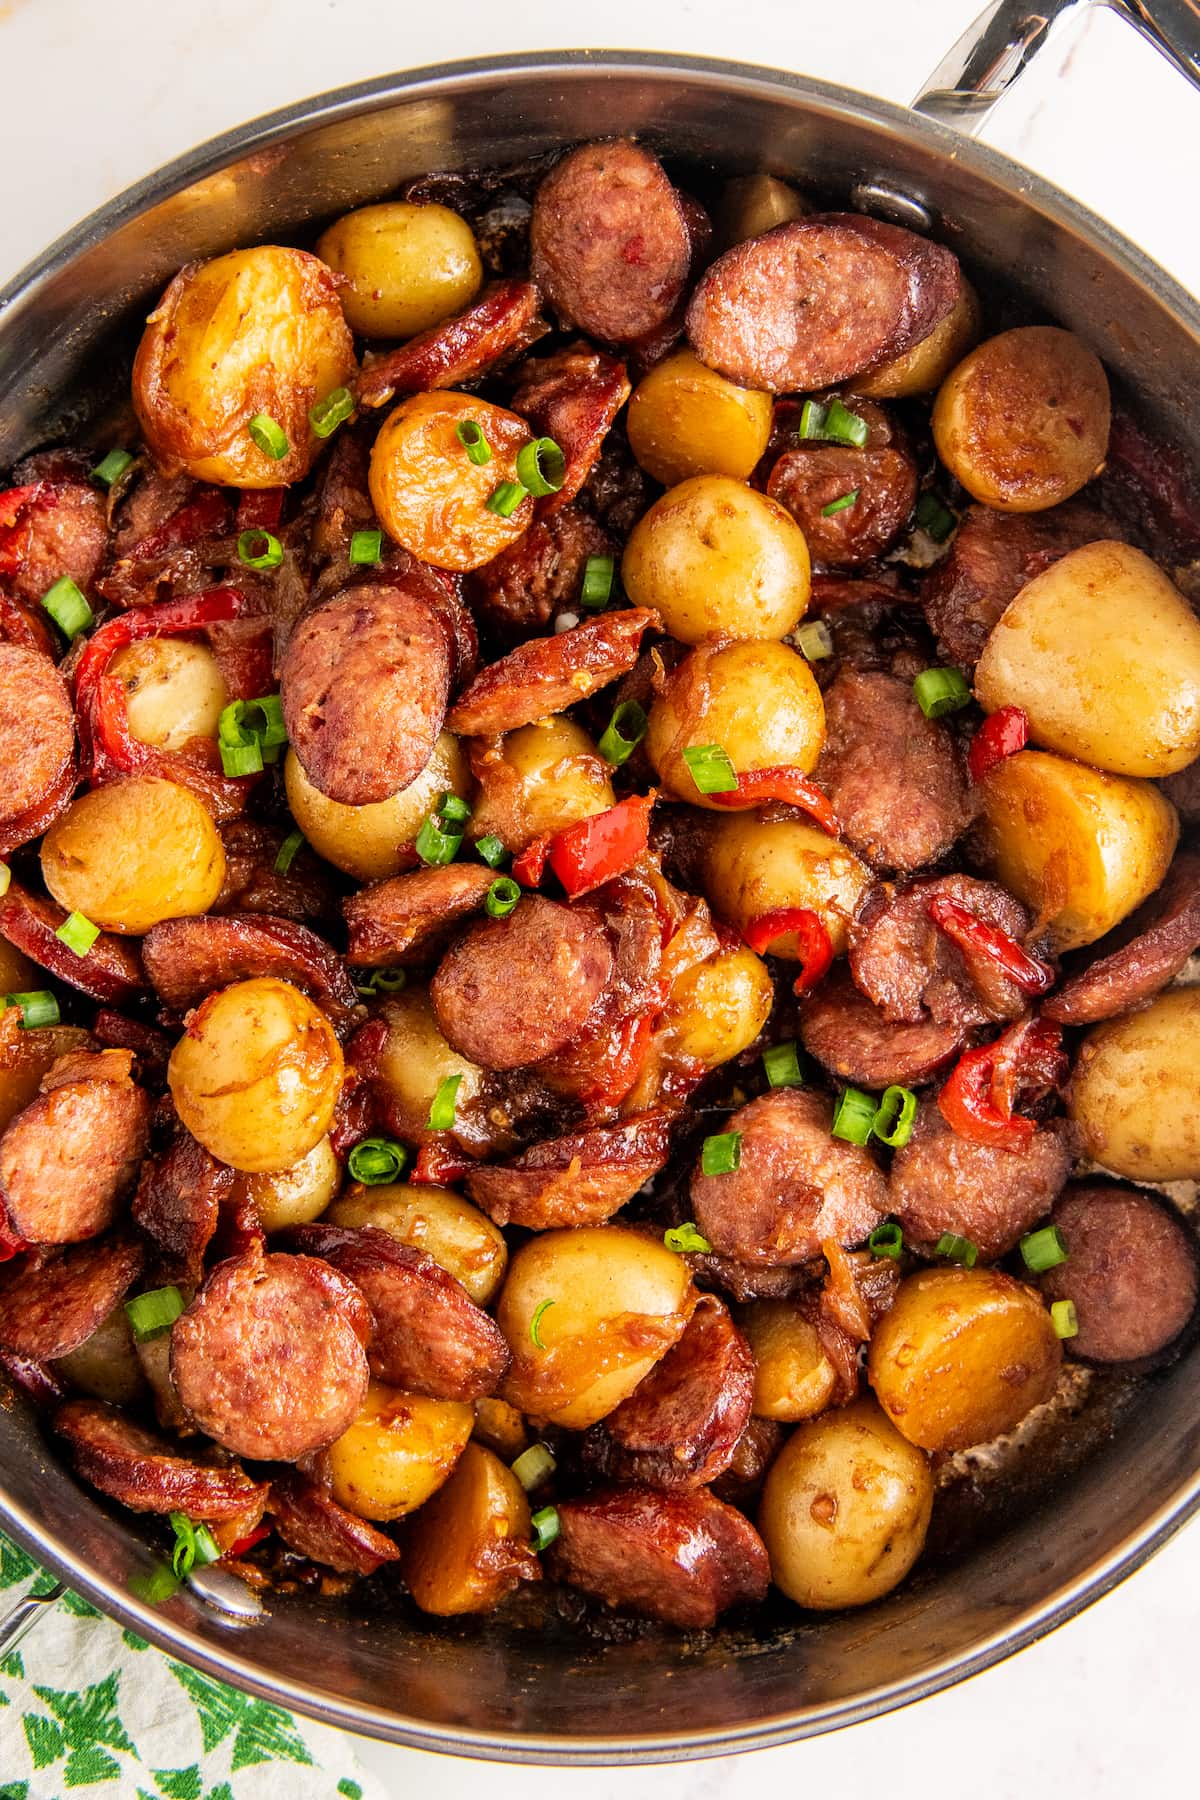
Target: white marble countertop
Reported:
[(96, 96)]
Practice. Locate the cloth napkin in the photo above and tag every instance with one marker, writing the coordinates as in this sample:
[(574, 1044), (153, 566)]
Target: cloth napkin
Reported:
[(87, 1708)]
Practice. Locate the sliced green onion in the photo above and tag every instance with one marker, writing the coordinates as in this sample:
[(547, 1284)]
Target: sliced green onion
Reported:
[(534, 1466), (5, 878), (332, 411), (78, 933), (111, 467), (502, 897), (1064, 1318), (270, 437), (1043, 1249), (685, 1240), (264, 718), (939, 691), (251, 733), (893, 1123), (854, 1117), (67, 607), (886, 1240), (843, 426), (289, 850), (153, 1313), (535, 1324), (37, 1008), (957, 1249), (377, 1160), (623, 733), (157, 1585), (259, 550), (383, 981), (505, 499), (241, 759), (445, 1101), (712, 771), (491, 851), (454, 808), (437, 844), (541, 467), (840, 504), (814, 640), (366, 547), (782, 1064), (933, 517), (470, 435), (596, 589), (194, 1545), (721, 1154), (812, 420), (545, 1527)]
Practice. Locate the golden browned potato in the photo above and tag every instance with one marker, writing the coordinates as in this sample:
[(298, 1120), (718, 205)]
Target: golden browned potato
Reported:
[(962, 1356), (845, 1509), (924, 367), (106, 1366), (294, 1196), (468, 1547), (752, 204), (755, 866), (718, 559), (1023, 420), (617, 1300), (430, 496), (412, 1065), (538, 779), (717, 1008), (684, 419), (1133, 1093), (407, 267), (133, 852), (25, 1056), (255, 335), (1080, 848), (256, 1074), (501, 1427), (759, 701), (399, 1450), (375, 841), (174, 690), (439, 1222), (793, 1377), (1102, 654)]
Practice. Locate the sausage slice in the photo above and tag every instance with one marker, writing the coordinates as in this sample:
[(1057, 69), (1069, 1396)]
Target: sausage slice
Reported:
[(146, 1473), (112, 969), (37, 735), (312, 1522), (913, 971), (849, 1035), (1131, 1271), (187, 959), (572, 397), (501, 322), (49, 1305), (521, 590), (580, 1179), (546, 675), (942, 1182), (70, 1157), (1147, 952), (178, 1204), (399, 920), (881, 477)]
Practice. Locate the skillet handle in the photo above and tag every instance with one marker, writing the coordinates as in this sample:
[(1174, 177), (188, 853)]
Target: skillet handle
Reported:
[(999, 45)]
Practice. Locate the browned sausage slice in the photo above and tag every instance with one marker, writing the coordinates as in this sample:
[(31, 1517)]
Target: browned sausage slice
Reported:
[(609, 242), (684, 1558), (522, 589), (682, 1423), (501, 322), (145, 1472), (943, 1182), (312, 1522), (364, 685), (546, 675), (187, 959), (1131, 1271), (580, 1179), (852, 1039), (254, 884), (914, 972), (178, 1204), (269, 1359), (63, 532), (795, 1185), (572, 397), (1183, 791), (70, 1157), (37, 735), (112, 969), (49, 1305), (753, 1455), (1147, 952), (403, 919), (881, 476), (818, 300), (515, 990), (894, 777), (429, 1336)]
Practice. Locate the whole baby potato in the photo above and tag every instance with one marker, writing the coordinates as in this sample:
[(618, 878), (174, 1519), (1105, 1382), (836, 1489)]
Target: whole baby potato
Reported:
[(174, 690), (684, 419), (1102, 654), (538, 779), (759, 701), (294, 1196), (961, 1356), (106, 1365), (845, 1509), (407, 267), (924, 367), (413, 1063), (374, 841), (752, 204), (718, 559), (468, 1547), (133, 852), (256, 333), (430, 497), (256, 1075), (399, 1450), (717, 1008), (436, 1220), (618, 1301), (1082, 849), (1133, 1093), (793, 1376), (756, 866)]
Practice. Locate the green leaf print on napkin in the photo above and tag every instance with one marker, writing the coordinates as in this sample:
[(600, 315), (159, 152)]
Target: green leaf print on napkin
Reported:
[(81, 1724), (263, 1731)]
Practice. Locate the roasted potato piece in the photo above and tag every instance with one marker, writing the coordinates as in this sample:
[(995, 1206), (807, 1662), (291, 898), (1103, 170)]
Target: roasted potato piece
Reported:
[(752, 204), (256, 1075), (174, 690), (793, 1377), (430, 496), (537, 780), (759, 701), (926, 365), (25, 1056), (1133, 1094), (684, 419), (755, 866), (407, 267), (718, 559), (134, 852), (438, 1221), (468, 1547), (1080, 848), (106, 1366), (961, 1356), (374, 841), (1023, 420), (414, 1062), (500, 1427), (399, 1450), (1102, 655), (717, 1008), (294, 1196), (256, 334), (845, 1509)]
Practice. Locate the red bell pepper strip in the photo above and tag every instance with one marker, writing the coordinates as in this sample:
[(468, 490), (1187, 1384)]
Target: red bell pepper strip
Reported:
[(248, 1542), (17, 506), (529, 865), (978, 1098), (205, 515), (1002, 734), (259, 509), (587, 854), (977, 938), (440, 1164), (620, 1067), (786, 783), (1030, 1060), (812, 940)]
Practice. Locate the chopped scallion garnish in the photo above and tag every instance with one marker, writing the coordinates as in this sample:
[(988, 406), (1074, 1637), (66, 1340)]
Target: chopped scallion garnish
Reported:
[(270, 437), (39, 1007), (1044, 1249), (111, 467), (470, 435), (377, 1160), (854, 1117), (782, 1065), (259, 549), (597, 586), (382, 981), (840, 504), (504, 500), (623, 733), (721, 1154), (491, 851), (534, 1466), (541, 467), (933, 517), (893, 1122), (445, 1101), (545, 1527), (939, 691), (194, 1545), (332, 411), (288, 851), (686, 1240), (712, 771), (67, 607), (153, 1313), (886, 1240), (77, 933), (502, 897), (1064, 1319), (535, 1324), (814, 640), (366, 548), (957, 1249)]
